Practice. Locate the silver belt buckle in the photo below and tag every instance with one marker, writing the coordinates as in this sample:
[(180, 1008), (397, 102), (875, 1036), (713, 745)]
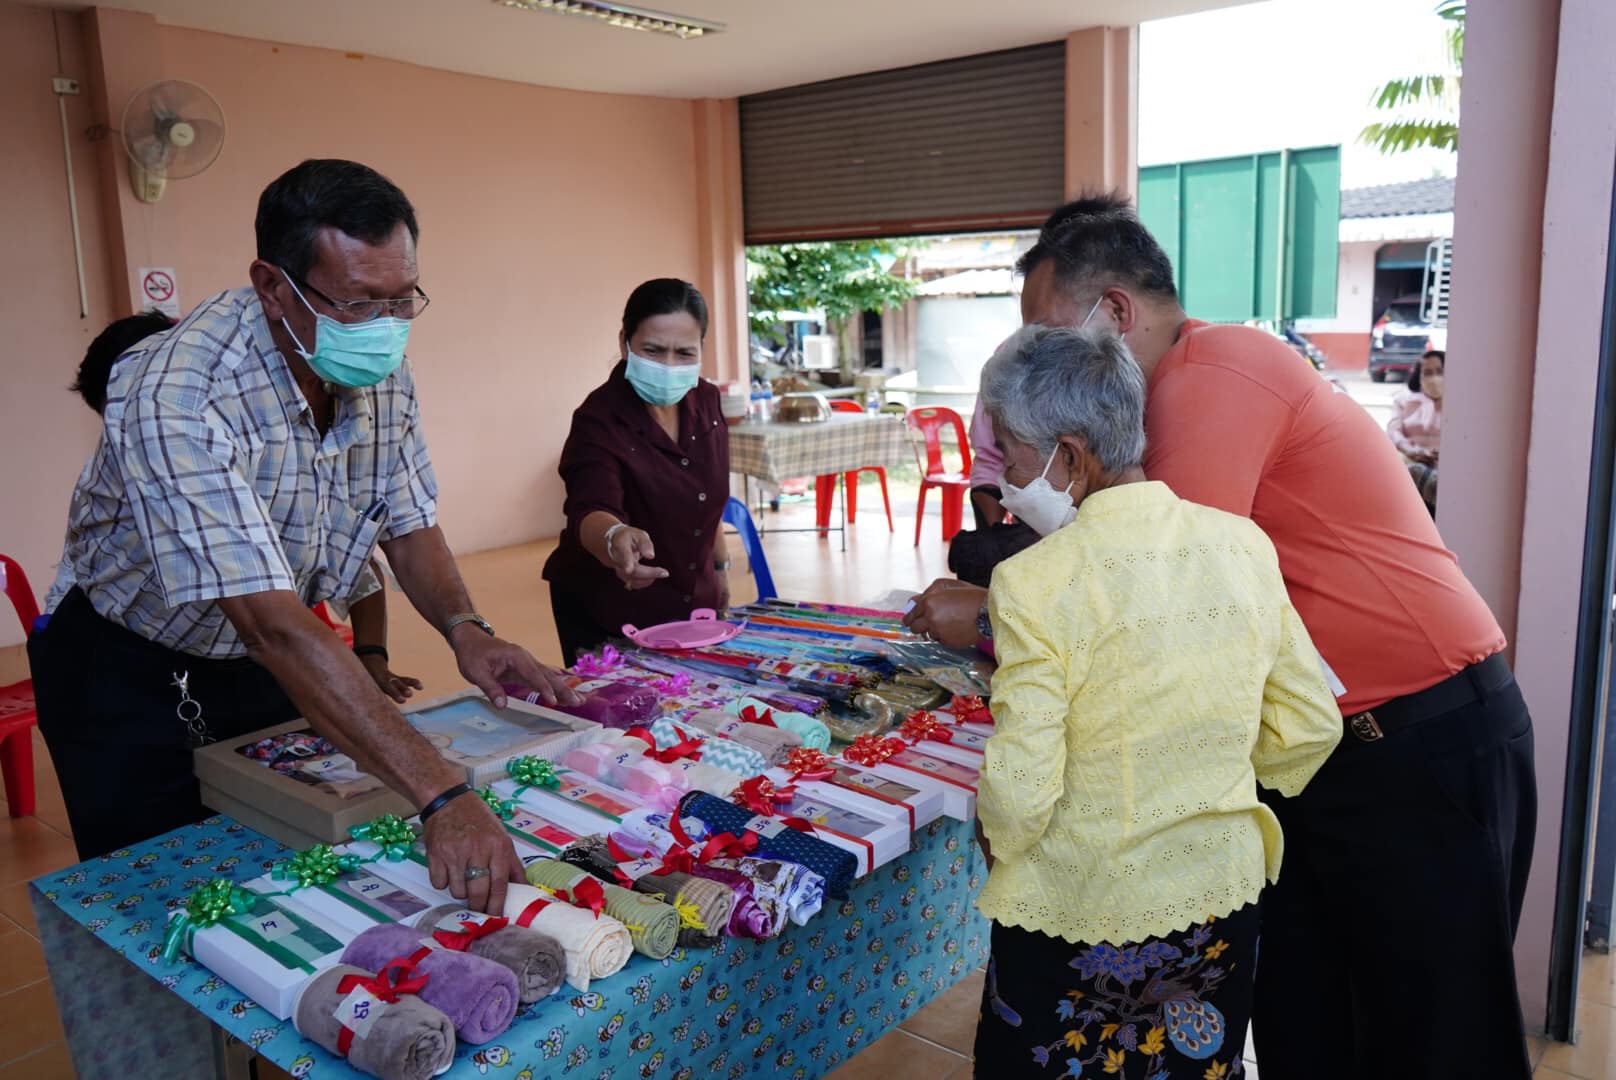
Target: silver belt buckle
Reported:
[(1365, 727)]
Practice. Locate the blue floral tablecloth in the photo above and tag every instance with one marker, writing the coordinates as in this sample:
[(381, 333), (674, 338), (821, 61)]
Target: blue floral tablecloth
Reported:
[(797, 1006)]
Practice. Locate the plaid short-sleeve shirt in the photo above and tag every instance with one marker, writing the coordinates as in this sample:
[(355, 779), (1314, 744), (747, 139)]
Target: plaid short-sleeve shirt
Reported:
[(212, 480)]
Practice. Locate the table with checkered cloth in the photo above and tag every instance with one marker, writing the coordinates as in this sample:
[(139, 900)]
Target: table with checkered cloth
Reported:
[(779, 452)]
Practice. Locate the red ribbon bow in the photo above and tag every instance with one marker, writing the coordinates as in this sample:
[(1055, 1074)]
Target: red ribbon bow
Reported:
[(872, 750), (676, 861), (807, 764), (750, 715), (728, 846), (759, 795), (689, 747), (923, 725), (970, 709), (460, 940), (381, 987), (587, 893)]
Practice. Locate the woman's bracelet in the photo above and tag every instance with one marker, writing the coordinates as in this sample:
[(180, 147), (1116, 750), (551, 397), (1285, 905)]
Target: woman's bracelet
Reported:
[(372, 650), (611, 531)]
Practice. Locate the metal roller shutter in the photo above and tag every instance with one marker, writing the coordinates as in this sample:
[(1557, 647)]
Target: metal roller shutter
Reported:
[(973, 143)]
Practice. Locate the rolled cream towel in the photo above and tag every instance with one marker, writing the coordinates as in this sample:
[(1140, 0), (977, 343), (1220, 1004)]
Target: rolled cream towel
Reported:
[(536, 959), (478, 996), (596, 947), (652, 925), (405, 1039), (774, 743)]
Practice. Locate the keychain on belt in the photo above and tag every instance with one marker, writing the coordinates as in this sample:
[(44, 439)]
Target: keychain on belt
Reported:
[(189, 711)]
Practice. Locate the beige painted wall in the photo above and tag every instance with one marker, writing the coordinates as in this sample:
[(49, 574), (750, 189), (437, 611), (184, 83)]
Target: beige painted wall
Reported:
[(540, 209)]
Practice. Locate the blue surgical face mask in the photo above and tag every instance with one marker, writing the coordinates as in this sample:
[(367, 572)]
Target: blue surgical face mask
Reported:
[(661, 384), (351, 354)]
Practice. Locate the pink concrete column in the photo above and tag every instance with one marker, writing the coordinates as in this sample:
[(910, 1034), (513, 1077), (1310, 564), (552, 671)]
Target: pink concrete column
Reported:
[(125, 55), (720, 236), (1102, 110)]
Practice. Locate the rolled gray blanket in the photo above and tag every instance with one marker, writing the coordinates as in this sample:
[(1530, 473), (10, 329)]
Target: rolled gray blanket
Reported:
[(406, 1039), (536, 959)]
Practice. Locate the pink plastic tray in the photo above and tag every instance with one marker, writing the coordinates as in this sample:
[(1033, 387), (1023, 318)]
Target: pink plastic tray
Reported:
[(702, 628)]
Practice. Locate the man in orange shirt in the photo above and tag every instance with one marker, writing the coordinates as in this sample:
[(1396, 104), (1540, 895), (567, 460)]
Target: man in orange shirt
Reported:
[(1387, 943)]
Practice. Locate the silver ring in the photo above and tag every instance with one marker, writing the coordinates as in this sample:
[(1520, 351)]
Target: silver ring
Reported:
[(475, 872)]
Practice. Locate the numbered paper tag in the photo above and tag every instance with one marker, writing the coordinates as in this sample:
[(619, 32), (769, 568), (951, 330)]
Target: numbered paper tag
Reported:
[(451, 922), (637, 869), (365, 885), (359, 1011), (730, 727), (274, 927), (623, 759), (765, 827)]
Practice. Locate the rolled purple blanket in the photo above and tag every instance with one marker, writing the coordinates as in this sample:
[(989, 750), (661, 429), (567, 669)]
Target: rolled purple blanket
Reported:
[(478, 996), (609, 704)]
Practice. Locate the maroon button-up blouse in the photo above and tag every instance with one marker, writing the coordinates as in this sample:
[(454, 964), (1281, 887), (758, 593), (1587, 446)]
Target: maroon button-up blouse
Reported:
[(618, 459)]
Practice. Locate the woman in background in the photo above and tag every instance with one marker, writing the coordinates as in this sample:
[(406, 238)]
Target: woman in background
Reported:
[(646, 467), (1416, 424)]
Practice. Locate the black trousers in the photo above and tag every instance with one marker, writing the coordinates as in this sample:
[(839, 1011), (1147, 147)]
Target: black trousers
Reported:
[(577, 631), (1387, 943), (107, 705), (1166, 1008)]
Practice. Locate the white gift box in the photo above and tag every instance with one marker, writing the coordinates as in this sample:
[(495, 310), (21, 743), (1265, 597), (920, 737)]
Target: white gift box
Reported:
[(351, 904), (965, 749), (953, 783), (874, 839), (268, 953), (471, 733), (581, 803), (410, 874)]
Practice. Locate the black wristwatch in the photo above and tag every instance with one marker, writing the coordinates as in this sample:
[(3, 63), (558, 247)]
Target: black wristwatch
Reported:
[(984, 625)]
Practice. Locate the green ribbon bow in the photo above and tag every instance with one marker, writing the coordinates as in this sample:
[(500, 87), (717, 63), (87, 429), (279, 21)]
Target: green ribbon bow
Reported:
[(532, 772), (505, 808), (391, 833), (319, 865), (207, 906)]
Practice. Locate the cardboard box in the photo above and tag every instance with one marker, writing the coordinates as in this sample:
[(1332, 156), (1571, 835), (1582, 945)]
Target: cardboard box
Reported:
[(277, 782), (314, 799)]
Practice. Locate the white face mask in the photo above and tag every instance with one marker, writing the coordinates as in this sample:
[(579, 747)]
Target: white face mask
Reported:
[(1431, 386), (1039, 505)]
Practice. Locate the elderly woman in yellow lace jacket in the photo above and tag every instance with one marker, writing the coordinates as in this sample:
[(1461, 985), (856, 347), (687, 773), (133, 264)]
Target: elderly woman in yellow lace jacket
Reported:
[(1152, 673)]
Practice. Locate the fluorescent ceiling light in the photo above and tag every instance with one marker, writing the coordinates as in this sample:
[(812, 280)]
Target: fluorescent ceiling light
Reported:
[(623, 16)]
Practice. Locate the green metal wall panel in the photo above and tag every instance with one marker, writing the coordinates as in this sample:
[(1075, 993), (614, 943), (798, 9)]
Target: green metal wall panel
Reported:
[(1241, 229)]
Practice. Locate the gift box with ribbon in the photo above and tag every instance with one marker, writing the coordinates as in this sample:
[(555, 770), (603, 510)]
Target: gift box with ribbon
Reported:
[(893, 759)]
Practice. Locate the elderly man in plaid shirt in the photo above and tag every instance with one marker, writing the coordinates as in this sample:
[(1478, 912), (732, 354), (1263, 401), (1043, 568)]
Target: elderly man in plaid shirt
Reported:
[(253, 457)]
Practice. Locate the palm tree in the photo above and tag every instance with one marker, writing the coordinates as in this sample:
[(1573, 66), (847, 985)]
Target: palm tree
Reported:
[(1425, 108)]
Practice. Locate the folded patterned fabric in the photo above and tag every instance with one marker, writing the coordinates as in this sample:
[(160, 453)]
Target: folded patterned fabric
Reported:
[(478, 996), (750, 917), (696, 776), (727, 754), (537, 960), (813, 733), (704, 906), (402, 1039), (652, 925), (597, 946), (774, 743), (795, 888), (836, 865)]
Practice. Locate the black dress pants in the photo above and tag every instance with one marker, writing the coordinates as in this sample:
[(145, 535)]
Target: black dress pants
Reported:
[(1387, 945), (107, 708)]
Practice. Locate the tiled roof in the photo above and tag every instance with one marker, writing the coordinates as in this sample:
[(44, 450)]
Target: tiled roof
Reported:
[(1433, 196)]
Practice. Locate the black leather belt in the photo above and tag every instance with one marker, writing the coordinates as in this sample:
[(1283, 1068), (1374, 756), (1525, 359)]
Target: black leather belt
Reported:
[(1471, 685)]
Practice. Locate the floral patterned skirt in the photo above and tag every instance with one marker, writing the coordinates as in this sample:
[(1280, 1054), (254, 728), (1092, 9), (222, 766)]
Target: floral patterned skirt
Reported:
[(1168, 1008)]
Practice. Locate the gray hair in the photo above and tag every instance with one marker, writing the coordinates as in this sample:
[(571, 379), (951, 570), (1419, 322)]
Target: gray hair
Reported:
[(1045, 382)]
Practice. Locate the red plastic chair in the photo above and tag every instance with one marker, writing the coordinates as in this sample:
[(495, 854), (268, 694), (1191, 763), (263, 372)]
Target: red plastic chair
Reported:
[(929, 422), (18, 716), (341, 629), (825, 486)]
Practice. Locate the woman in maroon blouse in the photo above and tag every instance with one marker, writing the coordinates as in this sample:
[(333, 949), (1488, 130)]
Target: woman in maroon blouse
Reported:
[(647, 472)]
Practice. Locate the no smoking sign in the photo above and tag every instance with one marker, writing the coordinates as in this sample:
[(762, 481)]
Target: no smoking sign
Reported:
[(159, 290)]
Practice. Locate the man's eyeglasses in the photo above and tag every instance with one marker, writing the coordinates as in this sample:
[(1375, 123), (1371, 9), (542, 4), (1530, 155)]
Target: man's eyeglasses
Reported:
[(357, 311)]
